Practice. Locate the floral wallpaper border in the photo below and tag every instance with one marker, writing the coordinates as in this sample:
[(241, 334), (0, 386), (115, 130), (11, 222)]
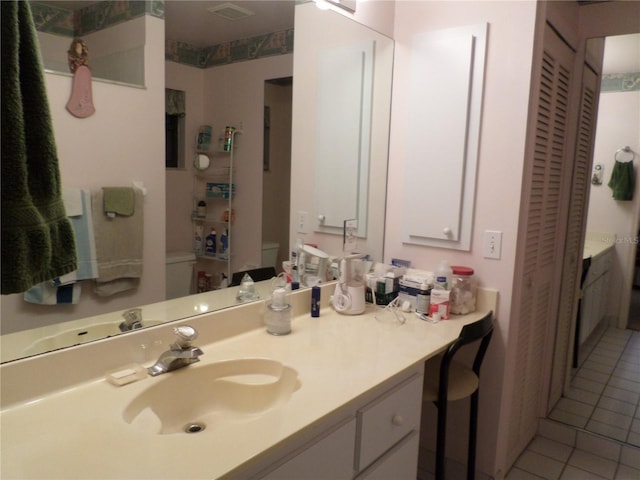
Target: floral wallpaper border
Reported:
[(275, 43), (620, 82), (59, 21), (52, 19)]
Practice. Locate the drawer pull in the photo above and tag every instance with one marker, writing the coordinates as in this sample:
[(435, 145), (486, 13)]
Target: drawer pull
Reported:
[(397, 420)]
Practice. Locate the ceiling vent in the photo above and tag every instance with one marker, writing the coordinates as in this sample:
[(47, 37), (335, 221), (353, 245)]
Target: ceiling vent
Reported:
[(230, 11)]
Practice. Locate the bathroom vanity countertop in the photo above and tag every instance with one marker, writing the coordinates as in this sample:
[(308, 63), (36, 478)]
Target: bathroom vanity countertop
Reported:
[(49, 337), (596, 244), (79, 432)]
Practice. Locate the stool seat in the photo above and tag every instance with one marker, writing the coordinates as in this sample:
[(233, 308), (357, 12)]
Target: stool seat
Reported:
[(462, 381)]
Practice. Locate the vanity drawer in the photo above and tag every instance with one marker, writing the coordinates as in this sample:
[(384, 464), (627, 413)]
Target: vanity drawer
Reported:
[(399, 463), (388, 419)]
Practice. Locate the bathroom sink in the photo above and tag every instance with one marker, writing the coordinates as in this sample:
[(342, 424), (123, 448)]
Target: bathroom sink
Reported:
[(196, 398)]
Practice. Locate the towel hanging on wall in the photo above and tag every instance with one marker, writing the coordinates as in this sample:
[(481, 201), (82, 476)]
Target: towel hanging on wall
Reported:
[(119, 240), (37, 238), (622, 182)]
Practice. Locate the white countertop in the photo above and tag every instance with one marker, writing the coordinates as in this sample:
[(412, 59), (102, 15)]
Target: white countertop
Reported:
[(79, 432), (596, 243)]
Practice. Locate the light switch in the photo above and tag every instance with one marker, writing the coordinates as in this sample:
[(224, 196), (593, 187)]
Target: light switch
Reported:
[(492, 244), (303, 222)]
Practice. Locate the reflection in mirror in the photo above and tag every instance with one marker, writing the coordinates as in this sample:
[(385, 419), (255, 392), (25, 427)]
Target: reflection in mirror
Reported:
[(113, 31), (319, 172), (119, 146), (602, 369)]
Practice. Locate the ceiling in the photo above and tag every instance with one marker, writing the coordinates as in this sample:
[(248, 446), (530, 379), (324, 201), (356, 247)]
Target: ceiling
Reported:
[(189, 21)]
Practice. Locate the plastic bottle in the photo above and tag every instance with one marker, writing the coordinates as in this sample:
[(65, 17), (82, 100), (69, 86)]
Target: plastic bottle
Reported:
[(293, 258), (201, 211), (197, 240), (210, 243), (423, 299), (224, 244), (315, 301), (444, 275)]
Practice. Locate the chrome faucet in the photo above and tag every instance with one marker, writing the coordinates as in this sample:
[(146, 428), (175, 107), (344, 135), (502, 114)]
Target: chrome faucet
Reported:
[(132, 320), (180, 353)]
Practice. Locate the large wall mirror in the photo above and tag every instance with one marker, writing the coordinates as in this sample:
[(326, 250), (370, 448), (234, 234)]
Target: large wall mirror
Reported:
[(122, 143)]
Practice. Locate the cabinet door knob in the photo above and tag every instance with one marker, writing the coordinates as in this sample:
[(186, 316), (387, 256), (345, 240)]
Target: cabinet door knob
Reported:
[(397, 420), (446, 231)]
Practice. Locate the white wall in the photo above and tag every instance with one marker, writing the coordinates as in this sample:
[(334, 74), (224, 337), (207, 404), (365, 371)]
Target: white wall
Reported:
[(618, 126), (500, 167), (119, 143), (234, 95)]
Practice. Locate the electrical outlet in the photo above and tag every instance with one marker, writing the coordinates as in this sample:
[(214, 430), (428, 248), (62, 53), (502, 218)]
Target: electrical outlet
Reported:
[(492, 244), (303, 222)]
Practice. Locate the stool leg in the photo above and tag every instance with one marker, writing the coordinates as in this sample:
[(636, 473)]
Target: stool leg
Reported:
[(473, 433), (441, 440)]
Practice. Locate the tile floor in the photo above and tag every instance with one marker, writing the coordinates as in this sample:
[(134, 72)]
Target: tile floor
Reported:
[(604, 396), (562, 452), (594, 432)]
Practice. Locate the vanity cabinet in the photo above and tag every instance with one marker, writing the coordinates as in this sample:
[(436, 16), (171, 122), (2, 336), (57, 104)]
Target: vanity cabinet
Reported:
[(378, 440), (330, 455), (594, 296), (388, 427)]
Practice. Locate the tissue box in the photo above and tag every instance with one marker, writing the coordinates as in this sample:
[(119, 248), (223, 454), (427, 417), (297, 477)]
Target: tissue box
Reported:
[(411, 283)]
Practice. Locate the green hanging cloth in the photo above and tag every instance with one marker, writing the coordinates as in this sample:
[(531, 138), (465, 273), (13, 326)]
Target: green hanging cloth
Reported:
[(38, 241), (622, 180)]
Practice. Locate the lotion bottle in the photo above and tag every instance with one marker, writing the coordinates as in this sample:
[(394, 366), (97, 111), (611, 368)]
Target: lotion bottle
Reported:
[(444, 274)]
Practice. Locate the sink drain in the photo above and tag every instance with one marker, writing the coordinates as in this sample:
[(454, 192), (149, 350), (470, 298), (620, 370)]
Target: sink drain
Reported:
[(194, 427)]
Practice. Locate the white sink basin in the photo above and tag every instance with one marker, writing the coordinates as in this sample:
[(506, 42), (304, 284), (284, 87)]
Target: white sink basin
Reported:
[(196, 398)]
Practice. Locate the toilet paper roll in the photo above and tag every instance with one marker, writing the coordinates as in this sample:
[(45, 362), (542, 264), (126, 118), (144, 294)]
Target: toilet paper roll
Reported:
[(201, 162)]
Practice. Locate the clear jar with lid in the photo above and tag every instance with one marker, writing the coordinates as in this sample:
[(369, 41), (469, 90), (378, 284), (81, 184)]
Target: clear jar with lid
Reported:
[(463, 290)]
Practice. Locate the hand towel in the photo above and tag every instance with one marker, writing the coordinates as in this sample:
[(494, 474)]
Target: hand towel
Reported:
[(56, 291), (118, 247), (46, 294), (622, 181), (85, 239), (119, 201), (37, 238)]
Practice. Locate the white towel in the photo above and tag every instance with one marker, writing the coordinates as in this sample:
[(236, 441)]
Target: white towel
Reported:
[(118, 247)]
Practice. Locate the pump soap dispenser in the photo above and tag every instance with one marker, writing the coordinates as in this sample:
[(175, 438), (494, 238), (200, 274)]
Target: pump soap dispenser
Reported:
[(278, 313)]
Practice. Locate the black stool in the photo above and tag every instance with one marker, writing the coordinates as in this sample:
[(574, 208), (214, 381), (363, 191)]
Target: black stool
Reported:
[(451, 380)]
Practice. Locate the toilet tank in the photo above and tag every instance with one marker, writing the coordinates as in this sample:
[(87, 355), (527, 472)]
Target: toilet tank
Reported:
[(179, 273), (270, 254)]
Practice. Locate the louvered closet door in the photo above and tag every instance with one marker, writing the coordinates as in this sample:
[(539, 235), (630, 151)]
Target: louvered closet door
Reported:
[(540, 240), (572, 267)]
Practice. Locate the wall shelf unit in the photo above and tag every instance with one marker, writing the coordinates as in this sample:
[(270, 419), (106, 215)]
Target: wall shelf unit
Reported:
[(215, 187)]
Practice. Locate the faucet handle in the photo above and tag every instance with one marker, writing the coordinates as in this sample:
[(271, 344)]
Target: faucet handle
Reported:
[(185, 334)]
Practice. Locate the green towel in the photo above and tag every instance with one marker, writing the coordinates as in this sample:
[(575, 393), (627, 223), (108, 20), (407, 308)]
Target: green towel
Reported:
[(622, 181), (37, 238), (118, 201)]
